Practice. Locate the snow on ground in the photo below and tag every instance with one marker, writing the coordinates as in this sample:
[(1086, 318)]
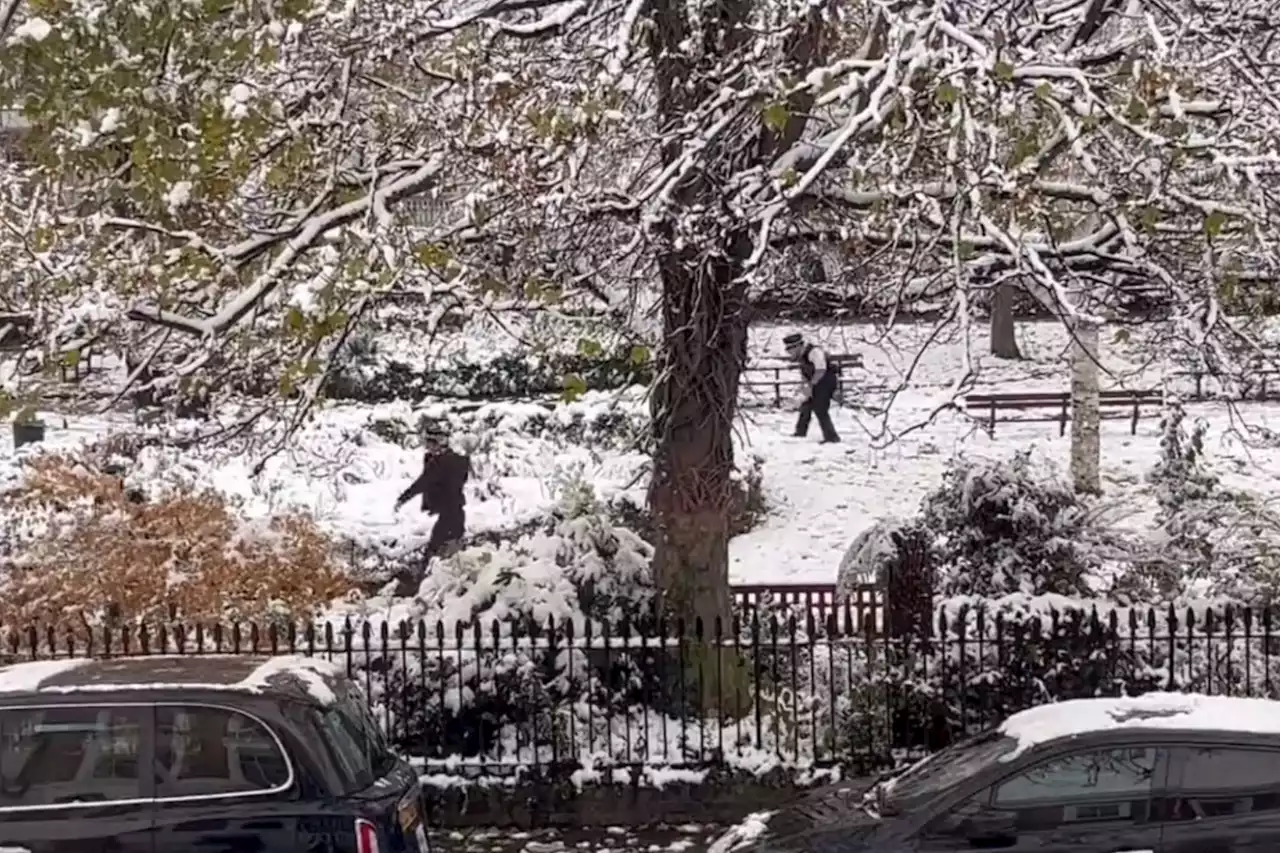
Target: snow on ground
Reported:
[(820, 497), (348, 477), (684, 838)]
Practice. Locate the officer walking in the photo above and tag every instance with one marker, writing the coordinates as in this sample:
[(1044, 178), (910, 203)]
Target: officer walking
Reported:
[(819, 386), (441, 483)]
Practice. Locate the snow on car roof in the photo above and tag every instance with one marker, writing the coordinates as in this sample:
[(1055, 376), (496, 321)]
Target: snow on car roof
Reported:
[(309, 677), (1182, 711), (27, 677)]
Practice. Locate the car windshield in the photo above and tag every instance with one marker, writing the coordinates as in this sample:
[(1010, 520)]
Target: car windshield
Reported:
[(941, 770)]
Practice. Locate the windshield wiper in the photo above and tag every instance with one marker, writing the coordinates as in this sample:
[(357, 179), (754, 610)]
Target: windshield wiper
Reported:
[(873, 800)]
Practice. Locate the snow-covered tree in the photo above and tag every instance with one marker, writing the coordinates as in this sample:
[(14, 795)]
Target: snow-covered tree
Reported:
[(228, 188)]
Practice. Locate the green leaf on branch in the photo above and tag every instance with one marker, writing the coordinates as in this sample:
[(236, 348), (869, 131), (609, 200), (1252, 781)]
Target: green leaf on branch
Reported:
[(1137, 111), (295, 320), (574, 387), (1214, 222), (1150, 219), (589, 348), (640, 355), (432, 256), (1228, 287), (946, 94), (1003, 71), (775, 116)]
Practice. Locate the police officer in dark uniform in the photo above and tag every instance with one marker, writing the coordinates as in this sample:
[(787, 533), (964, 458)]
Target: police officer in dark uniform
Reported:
[(819, 385), (441, 484)]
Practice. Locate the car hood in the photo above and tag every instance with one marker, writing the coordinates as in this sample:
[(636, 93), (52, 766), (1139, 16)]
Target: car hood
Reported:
[(839, 806)]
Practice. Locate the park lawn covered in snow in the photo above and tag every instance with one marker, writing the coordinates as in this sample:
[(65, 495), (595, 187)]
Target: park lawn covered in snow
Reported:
[(819, 498)]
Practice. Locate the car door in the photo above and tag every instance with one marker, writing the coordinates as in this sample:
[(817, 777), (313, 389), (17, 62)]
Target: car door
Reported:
[(1087, 801), (71, 780), (1222, 799), (223, 782)]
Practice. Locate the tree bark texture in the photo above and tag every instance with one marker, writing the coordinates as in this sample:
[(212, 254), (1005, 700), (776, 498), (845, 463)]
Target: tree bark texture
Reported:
[(1086, 444), (1004, 330), (704, 247), (694, 407)]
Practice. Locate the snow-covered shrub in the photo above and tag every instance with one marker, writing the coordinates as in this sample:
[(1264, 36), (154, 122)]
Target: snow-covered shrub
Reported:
[(1207, 536), (597, 420), (1009, 526), (517, 680), (75, 543), (507, 376)]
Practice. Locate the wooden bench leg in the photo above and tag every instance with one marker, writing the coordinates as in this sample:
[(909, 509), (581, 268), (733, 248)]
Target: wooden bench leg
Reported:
[(1062, 419)]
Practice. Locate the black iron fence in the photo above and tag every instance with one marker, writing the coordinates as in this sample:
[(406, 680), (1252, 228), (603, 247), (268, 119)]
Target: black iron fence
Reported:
[(780, 686)]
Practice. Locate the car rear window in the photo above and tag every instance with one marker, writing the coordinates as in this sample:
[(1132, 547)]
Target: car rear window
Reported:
[(202, 751), (357, 744), (69, 754)]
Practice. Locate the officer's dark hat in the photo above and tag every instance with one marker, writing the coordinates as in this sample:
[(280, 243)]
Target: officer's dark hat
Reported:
[(793, 340)]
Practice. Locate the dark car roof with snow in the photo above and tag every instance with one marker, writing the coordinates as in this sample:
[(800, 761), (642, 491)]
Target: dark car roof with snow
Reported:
[(283, 676), (1163, 712)]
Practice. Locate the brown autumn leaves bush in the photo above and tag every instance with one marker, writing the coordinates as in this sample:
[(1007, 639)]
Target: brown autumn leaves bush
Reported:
[(75, 551)]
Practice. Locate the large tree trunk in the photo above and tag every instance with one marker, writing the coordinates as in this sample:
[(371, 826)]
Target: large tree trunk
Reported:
[(1086, 444), (1004, 338), (694, 406)]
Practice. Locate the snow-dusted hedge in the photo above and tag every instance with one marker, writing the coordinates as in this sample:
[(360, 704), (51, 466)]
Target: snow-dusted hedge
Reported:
[(988, 658), (507, 376), (603, 420)]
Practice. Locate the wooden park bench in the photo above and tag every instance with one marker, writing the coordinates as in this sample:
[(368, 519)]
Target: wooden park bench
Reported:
[(1047, 406), (786, 374)]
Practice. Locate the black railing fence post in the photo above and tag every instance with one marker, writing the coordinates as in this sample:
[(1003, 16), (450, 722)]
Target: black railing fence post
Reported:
[(626, 656), (757, 675), (813, 678), (1228, 640), (1247, 629), (682, 679)]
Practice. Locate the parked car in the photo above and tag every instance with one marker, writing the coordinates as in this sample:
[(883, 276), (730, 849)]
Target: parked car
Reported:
[(220, 754), (1168, 773)]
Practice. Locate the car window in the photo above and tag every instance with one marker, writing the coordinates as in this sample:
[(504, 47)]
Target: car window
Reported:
[(1105, 774), (943, 769), (1218, 781), (64, 755), (204, 751), (356, 742)]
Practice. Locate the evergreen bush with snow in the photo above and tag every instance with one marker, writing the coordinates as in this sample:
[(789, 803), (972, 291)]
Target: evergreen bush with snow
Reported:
[(367, 377), (1009, 526), (1207, 537), (519, 683)]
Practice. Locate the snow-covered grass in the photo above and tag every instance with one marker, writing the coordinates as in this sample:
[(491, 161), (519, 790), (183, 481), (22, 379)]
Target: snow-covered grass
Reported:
[(819, 497)]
